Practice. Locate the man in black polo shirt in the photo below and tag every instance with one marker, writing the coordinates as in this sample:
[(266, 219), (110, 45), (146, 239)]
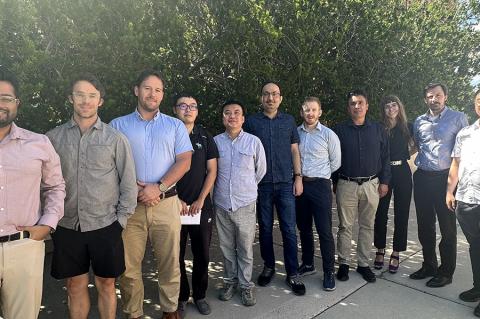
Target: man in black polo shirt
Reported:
[(194, 193), (360, 182)]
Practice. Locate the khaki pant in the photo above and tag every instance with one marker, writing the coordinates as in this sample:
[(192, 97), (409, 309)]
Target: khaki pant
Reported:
[(21, 274), (161, 224), (356, 200)]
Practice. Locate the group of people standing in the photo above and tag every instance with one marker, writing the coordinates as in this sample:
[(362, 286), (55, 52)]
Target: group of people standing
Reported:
[(129, 182)]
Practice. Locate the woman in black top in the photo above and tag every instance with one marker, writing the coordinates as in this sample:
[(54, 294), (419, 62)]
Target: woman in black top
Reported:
[(401, 143)]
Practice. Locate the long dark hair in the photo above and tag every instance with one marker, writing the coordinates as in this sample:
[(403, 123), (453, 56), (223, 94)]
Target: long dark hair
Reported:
[(401, 120)]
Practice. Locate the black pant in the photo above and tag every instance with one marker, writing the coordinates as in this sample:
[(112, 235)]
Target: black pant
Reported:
[(429, 194), (401, 186), (200, 237), (468, 216), (316, 202)]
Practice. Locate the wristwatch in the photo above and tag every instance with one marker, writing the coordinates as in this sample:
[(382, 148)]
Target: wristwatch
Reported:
[(162, 187)]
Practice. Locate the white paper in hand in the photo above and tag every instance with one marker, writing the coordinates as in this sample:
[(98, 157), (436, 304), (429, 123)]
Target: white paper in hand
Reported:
[(191, 220)]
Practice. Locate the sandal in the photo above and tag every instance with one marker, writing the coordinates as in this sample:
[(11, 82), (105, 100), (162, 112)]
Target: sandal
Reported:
[(391, 267), (378, 264)]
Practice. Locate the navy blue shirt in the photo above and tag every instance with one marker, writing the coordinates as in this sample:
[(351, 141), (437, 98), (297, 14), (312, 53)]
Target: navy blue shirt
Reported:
[(277, 136), (365, 150)]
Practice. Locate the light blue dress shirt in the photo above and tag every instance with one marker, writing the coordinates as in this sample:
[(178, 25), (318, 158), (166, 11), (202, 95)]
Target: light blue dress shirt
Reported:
[(320, 151), (241, 166), (154, 143), (435, 138), (467, 149)]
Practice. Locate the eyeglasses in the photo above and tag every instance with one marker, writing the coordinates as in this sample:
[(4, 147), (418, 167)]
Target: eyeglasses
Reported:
[(227, 114), (185, 106), (391, 105), (7, 100), (85, 96), (272, 94)]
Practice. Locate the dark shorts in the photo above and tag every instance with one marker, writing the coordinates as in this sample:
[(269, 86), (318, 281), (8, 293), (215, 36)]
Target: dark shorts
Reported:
[(74, 251)]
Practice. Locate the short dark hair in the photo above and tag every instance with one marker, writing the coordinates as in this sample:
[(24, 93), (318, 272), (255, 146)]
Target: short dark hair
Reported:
[(313, 99), (178, 96), (6, 76), (357, 92), (232, 101), (271, 82), (147, 73), (90, 78), (433, 85)]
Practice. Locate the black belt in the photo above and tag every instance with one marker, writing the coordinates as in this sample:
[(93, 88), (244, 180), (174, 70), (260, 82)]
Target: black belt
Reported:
[(358, 180), (16, 236), (171, 192), (311, 179)]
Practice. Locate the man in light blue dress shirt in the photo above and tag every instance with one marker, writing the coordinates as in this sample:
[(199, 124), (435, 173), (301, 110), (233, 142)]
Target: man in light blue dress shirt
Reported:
[(320, 155), (434, 133), (241, 166), (162, 152)]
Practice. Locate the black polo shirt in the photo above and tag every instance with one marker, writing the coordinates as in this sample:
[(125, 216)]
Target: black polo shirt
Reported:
[(365, 150), (204, 149)]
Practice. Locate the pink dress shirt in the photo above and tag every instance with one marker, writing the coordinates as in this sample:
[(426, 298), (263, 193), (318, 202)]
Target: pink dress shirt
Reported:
[(32, 189)]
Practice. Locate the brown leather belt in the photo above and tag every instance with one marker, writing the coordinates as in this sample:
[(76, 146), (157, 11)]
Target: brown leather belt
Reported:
[(358, 180), (171, 192), (16, 236)]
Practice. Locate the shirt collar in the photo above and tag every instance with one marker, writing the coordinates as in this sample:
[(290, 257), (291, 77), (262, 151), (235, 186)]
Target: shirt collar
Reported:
[(15, 133), (318, 126), (97, 125), (139, 116), (278, 115), (366, 123), (238, 136), (430, 115)]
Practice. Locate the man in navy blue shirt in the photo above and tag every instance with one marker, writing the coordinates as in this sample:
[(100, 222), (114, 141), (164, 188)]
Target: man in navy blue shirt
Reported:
[(360, 182), (282, 182)]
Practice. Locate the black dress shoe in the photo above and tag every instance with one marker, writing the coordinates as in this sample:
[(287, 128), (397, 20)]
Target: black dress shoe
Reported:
[(296, 285), (266, 276), (439, 281), (470, 295), (342, 273), (367, 274), (423, 273), (476, 312)]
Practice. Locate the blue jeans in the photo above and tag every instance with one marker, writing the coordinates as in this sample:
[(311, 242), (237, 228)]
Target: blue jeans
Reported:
[(281, 196)]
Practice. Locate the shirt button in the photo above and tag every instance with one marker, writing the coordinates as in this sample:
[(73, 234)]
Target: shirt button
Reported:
[(1, 230), (1, 187), (2, 208)]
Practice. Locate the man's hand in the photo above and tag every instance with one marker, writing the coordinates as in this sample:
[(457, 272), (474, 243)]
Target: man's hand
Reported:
[(196, 207), (382, 190), (298, 186), (37, 232), (148, 193), (450, 200)]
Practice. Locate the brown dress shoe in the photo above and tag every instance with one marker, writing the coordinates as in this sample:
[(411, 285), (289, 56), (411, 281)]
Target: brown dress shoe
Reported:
[(171, 315)]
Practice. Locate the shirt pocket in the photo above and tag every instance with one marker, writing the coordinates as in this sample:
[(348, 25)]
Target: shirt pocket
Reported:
[(246, 159), (99, 157)]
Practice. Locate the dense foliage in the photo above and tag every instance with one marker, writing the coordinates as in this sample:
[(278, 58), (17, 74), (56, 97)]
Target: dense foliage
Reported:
[(218, 49)]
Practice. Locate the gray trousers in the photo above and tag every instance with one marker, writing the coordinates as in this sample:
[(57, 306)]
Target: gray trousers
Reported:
[(236, 233), (356, 201)]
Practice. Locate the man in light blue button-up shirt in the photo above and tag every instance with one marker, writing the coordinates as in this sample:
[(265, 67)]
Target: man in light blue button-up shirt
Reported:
[(434, 133), (320, 155), (241, 166), (162, 152)]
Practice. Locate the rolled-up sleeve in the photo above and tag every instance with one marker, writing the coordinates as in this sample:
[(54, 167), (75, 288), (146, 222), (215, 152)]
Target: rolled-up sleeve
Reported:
[(52, 188)]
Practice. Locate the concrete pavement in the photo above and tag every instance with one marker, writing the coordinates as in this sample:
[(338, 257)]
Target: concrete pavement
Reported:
[(392, 296)]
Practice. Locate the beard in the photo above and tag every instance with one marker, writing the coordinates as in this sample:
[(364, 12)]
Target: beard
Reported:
[(8, 119)]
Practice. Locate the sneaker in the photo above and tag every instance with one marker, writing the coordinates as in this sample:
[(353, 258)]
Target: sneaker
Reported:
[(266, 276), (203, 306), (305, 270), (471, 295), (248, 297), (342, 273), (296, 285), (227, 292), (366, 273), (328, 281)]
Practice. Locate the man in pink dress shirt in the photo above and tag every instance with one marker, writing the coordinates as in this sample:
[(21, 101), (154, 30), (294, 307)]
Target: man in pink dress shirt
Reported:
[(32, 192)]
